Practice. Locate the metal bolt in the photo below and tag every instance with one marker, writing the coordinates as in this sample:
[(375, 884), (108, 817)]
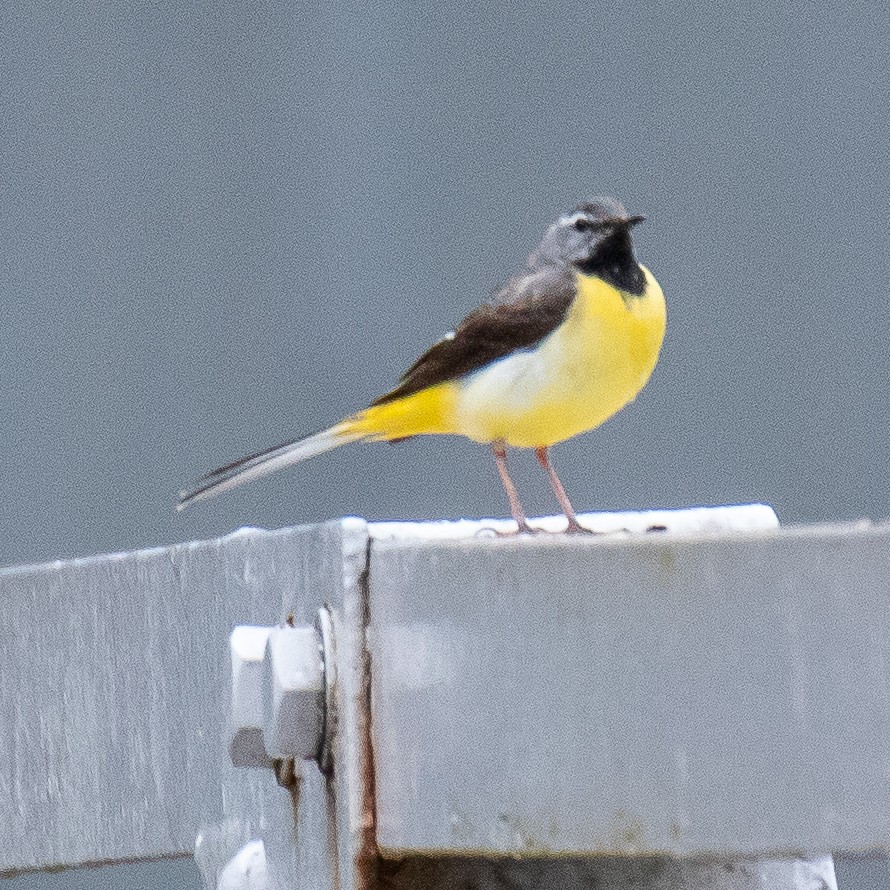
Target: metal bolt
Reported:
[(247, 645), (294, 678), (279, 693)]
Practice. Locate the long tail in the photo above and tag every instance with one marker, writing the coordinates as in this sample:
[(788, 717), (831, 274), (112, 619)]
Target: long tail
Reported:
[(256, 465), (421, 413)]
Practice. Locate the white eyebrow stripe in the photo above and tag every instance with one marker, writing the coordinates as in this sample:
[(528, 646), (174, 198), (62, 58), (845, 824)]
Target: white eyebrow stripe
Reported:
[(571, 219)]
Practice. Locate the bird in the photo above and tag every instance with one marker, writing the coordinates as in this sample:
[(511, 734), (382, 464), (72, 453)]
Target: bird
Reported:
[(556, 351)]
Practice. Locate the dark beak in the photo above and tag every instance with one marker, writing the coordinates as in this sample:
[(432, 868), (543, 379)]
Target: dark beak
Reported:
[(634, 221)]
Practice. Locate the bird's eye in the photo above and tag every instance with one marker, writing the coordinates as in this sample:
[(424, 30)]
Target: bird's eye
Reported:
[(582, 224)]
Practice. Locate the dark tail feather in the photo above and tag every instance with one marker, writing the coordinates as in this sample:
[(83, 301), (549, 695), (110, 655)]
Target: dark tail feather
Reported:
[(256, 465)]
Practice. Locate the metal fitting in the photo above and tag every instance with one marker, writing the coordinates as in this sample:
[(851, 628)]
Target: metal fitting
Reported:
[(281, 693)]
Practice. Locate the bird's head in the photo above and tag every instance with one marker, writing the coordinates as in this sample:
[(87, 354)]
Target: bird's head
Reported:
[(595, 234)]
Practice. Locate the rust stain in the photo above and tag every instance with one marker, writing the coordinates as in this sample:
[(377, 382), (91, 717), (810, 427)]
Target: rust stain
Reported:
[(628, 834), (367, 865), (667, 560)]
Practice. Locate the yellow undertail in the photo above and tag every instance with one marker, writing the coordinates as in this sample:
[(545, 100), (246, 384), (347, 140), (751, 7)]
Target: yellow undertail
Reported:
[(427, 412)]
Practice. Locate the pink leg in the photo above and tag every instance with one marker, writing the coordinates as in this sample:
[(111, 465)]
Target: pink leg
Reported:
[(500, 457), (574, 526)]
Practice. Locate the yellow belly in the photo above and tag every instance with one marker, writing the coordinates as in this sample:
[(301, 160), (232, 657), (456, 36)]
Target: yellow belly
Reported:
[(586, 370), (589, 368)]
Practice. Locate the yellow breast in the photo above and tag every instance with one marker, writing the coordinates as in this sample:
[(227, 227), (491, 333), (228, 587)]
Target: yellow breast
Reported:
[(586, 370)]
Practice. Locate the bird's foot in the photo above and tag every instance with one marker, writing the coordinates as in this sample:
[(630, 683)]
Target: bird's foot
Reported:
[(575, 528), (522, 528)]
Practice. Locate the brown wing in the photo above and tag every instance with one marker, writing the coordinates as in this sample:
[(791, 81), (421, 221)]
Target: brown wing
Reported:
[(521, 314)]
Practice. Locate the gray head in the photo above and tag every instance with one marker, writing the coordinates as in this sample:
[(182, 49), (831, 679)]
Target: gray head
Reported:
[(598, 229)]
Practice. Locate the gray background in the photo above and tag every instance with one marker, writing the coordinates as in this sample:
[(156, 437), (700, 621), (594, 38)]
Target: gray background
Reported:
[(224, 224)]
